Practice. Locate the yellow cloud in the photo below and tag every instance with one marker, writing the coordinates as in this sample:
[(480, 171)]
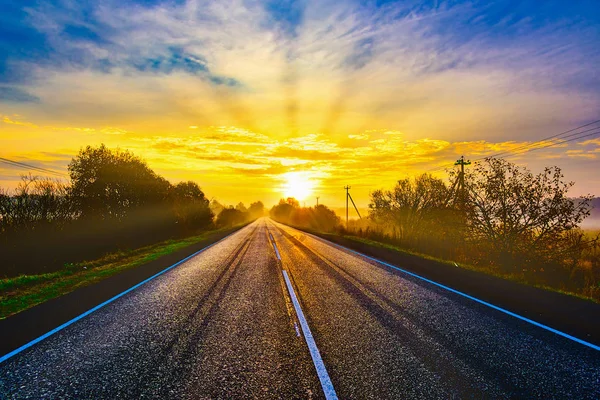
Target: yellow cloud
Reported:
[(8, 120), (363, 136)]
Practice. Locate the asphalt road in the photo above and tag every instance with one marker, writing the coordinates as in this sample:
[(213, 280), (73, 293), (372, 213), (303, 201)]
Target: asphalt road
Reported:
[(225, 325)]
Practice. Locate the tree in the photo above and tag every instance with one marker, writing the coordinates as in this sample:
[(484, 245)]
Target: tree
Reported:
[(216, 207), (523, 217), (283, 211), (35, 202), (107, 183), (324, 219), (190, 206), (256, 210), (413, 204), (188, 191), (291, 201), (230, 217)]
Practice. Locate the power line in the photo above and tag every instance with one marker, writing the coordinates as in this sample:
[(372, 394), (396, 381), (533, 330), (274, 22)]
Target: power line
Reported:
[(533, 144), (30, 167), (556, 143), (556, 139), (23, 165)]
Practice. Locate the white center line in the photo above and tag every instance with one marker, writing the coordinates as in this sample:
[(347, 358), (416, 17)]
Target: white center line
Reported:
[(312, 346), (297, 329), (275, 247)]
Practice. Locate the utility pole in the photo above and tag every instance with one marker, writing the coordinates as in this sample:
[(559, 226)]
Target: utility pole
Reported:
[(317, 201), (461, 181), (347, 195)]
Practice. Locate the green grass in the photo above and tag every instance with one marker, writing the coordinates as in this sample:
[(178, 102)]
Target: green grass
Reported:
[(487, 270), (514, 277), (25, 291), (518, 278)]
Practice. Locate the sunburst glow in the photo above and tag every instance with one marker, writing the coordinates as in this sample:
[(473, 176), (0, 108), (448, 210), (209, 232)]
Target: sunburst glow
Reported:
[(262, 99), (298, 185)]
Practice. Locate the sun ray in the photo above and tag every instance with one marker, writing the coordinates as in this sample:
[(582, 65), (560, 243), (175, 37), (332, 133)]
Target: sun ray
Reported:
[(298, 185)]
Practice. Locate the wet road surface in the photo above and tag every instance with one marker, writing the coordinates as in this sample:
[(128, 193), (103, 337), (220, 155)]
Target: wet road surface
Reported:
[(225, 324)]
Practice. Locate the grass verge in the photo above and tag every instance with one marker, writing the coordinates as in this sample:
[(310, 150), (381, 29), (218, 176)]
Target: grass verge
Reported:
[(514, 277), (25, 291), (518, 278)]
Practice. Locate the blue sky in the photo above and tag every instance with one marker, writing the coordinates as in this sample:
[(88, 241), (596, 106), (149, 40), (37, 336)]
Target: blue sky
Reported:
[(308, 79), (63, 34)]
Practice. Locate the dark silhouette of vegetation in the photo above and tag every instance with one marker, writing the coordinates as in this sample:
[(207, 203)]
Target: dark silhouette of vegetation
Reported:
[(231, 216), (107, 184), (216, 207), (319, 217), (511, 222), (524, 218), (35, 204), (507, 222), (113, 201), (190, 206), (416, 214)]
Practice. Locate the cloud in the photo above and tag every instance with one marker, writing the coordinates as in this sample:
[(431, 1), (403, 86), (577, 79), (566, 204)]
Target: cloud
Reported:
[(595, 142), (355, 65), (581, 154), (357, 89), (16, 95)]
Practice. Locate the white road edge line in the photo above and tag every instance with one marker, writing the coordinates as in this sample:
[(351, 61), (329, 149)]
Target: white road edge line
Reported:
[(485, 303), (312, 346), (99, 306), (275, 247)]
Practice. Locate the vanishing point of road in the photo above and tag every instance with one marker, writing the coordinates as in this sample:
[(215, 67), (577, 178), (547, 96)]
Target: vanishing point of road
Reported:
[(272, 312)]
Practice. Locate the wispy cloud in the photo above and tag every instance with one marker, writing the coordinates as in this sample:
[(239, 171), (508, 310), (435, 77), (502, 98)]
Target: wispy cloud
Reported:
[(261, 88)]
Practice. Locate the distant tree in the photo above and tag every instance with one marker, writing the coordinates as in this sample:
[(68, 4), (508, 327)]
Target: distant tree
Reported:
[(216, 207), (107, 183), (230, 217), (413, 204), (291, 201), (241, 207), (190, 205), (523, 217), (320, 217), (34, 203), (283, 211), (256, 210), (324, 219)]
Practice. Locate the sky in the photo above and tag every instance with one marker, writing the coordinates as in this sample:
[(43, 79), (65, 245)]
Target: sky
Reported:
[(258, 100)]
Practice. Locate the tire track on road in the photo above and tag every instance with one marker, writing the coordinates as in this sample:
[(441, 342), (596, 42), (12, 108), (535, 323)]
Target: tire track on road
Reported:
[(442, 361), (185, 345), (213, 294)]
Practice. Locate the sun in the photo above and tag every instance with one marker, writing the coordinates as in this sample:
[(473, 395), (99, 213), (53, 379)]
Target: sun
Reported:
[(298, 185)]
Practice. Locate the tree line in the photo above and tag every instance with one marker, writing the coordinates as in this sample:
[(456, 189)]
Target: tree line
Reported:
[(504, 218), (114, 200), (319, 218)]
